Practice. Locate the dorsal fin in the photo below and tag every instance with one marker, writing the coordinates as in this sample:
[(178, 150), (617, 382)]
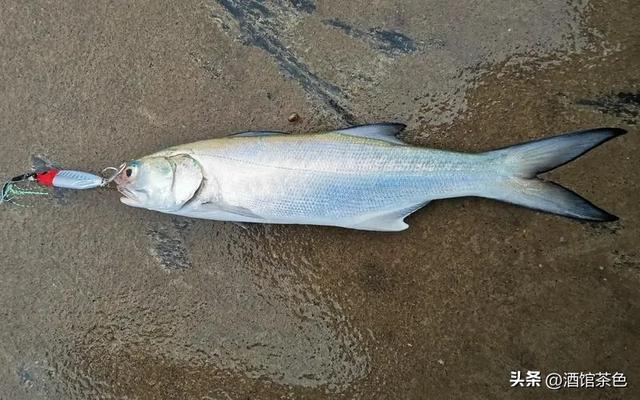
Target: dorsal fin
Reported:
[(384, 131), (256, 133)]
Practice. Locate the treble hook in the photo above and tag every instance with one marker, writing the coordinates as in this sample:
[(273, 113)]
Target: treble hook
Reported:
[(117, 171)]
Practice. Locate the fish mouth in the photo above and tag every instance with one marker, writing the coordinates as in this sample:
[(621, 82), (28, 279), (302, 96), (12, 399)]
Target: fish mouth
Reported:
[(121, 184), (126, 192), (130, 198)]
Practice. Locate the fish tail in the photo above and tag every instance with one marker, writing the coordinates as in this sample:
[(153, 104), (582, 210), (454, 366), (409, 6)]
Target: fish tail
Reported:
[(520, 165)]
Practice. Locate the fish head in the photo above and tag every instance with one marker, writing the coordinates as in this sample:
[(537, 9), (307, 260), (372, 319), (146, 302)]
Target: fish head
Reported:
[(159, 182)]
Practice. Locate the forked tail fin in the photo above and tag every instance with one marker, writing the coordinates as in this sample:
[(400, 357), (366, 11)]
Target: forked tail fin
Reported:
[(520, 165)]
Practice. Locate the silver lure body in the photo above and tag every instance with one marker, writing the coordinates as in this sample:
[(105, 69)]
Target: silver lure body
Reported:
[(359, 178)]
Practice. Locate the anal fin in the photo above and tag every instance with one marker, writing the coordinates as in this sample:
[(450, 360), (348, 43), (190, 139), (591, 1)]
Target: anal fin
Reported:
[(391, 221)]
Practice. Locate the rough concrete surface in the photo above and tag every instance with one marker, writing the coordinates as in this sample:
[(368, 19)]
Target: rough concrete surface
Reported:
[(98, 300)]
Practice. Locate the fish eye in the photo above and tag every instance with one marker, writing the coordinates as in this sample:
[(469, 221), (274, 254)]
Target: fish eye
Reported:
[(128, 172)]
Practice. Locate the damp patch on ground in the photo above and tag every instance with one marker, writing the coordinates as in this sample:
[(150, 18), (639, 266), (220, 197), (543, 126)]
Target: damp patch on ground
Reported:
[(624, 105)]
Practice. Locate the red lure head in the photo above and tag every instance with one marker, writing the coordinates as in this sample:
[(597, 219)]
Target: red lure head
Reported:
[(46, 178)]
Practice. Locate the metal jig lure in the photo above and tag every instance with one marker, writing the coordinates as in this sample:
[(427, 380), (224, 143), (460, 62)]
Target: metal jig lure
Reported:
[(47, 175)]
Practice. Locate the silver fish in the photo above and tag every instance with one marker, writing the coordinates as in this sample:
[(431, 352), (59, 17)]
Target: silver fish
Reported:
[(361, 177)]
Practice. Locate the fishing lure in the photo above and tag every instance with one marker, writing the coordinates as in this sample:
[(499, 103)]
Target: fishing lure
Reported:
[(49, 176)]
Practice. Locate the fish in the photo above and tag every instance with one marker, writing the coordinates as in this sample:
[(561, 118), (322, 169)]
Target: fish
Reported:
[(362, 177)]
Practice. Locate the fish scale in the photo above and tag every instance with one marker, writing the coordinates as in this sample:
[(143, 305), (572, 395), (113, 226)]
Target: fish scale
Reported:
[(334, 179)]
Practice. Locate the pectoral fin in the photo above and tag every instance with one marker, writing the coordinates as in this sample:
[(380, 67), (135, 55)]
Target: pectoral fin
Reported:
[(224, 212), (240, 211)]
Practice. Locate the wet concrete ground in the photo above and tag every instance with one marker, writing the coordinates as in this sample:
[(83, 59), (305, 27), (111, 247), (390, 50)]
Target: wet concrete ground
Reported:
[(98, 300)]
